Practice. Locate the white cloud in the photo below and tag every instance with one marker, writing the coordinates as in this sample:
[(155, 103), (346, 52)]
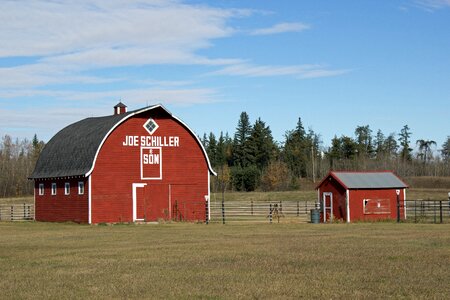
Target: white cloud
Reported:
[(83, 43), (72, 106), (41, 28), (433, 4), (281, 28), (299, 71)]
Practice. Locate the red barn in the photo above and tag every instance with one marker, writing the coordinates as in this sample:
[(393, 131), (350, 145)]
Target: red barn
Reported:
[(141, 165), (352, 196)]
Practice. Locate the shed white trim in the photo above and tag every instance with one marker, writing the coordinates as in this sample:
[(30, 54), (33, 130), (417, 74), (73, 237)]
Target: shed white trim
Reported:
[(347, 203)]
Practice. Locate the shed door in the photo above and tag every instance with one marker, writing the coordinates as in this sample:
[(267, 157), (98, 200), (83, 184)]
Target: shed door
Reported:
[(327, 207)]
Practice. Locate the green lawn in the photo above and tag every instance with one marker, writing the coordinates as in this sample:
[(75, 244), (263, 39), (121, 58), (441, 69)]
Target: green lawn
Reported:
[(173, 261)]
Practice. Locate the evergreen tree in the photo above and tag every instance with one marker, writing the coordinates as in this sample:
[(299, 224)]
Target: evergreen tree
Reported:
[(364, 141), (380, 144), (404, 139), (211, 149), (261, 145), (348, 147), (241, 142), (295, 151), (445, 152), (391, 146)]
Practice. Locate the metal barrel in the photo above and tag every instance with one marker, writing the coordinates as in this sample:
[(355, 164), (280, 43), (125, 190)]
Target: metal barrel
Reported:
[(315, 216)]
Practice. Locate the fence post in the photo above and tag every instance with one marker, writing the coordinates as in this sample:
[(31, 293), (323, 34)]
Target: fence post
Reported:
[(281, 208), (298, 208), (434, 210), (223, 211), (415, 211), (251, 207), (440, 211), (206, 212), (12, 213), (270, 213)]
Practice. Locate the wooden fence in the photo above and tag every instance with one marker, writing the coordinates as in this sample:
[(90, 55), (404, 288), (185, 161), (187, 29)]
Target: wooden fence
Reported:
[(261, 212), (289, 211), (16, 212), (428, 211)]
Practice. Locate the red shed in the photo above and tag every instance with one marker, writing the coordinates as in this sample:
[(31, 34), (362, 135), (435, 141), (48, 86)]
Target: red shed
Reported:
[(141, 165), (352, 196)]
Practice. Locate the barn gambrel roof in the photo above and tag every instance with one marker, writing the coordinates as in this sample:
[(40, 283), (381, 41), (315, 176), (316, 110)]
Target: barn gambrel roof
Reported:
[(366, 180), (73, 150)]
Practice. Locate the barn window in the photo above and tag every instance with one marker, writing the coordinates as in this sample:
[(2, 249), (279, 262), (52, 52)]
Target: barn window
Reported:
[(67, 188), (151, 126), (53, 188), (41, 189), (80, 188)]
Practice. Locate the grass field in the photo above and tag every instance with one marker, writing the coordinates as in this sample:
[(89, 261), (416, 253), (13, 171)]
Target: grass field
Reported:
[(197, 261)]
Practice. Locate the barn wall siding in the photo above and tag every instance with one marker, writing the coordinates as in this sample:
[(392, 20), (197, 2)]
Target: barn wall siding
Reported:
[(118, 167), (61, 207), (339, 198), (357, 198)]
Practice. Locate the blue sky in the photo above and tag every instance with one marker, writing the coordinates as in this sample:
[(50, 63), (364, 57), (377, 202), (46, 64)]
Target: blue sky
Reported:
[(335, 64)]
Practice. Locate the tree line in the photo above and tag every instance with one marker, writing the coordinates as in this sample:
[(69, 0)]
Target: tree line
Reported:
[(17, 161), (252, 160)]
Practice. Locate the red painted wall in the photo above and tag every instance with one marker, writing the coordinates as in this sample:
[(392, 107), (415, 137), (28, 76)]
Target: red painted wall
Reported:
[(61, 207), (339, 194), (356, 203), (357, 198), (184, 180)]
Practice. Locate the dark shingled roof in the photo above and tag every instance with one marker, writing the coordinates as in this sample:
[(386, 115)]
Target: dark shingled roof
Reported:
[(72, 150)]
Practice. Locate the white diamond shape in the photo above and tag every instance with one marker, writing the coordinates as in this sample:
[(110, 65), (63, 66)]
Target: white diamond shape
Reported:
[(151, 126)]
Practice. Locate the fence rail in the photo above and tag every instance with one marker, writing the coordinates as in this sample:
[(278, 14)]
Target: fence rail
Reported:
[(289, 211), (262, 212), (16, 212), (430, 211)]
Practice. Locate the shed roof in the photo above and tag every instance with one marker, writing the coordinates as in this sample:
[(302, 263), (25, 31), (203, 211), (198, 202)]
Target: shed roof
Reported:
[(367, 180), (73, 150)]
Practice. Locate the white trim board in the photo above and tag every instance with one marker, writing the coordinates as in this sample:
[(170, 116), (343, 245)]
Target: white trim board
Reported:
[(134, 187)]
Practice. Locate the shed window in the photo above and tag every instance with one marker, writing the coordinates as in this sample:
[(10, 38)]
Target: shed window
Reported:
[(53, 188), (80, 188), (41, 189), (67, 188)]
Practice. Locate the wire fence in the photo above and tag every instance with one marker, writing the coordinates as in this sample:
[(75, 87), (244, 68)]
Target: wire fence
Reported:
[(288, 211), (428, 211), (16, 212), (261, 211)]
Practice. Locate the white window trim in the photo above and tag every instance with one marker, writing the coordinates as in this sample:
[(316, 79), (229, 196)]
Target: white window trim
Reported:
[(67, 190), (54, 188), (80, 190), (41, 189)]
